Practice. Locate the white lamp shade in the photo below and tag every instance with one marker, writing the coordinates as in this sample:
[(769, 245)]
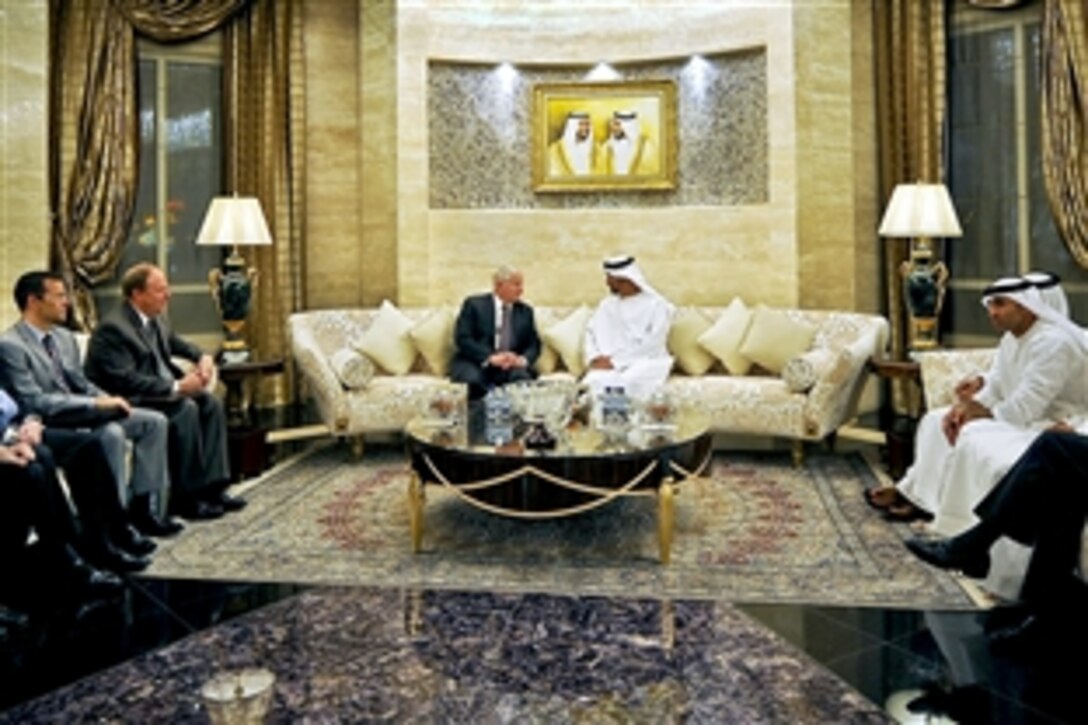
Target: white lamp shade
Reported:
[(920, 210), (234, 220)]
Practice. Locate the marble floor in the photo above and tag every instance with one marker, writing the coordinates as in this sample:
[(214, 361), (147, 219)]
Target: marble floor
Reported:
[(386, 655)]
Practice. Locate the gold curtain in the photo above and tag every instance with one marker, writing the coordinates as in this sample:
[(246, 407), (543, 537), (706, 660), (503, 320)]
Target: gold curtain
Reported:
[(1065, 120), (94, 149), (910, 84), (265, 122)]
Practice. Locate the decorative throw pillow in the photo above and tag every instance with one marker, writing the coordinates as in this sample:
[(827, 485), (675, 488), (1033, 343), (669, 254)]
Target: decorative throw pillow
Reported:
[(802, 371), (388, 341), (353, 369), (548, 360), (433, 337), (723, 339), (687, 326), (773, 338), (565, 337)]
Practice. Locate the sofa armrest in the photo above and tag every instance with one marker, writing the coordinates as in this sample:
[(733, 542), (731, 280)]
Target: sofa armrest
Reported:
[(942, 369), (834, 397), (329, 395)]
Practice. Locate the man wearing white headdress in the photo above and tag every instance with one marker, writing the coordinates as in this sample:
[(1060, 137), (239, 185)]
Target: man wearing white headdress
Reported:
[(625, 342), (575, 152), (1037, 379), (627, 151)]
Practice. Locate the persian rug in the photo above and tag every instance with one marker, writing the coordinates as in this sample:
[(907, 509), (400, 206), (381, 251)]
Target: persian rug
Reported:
[(756, 529)]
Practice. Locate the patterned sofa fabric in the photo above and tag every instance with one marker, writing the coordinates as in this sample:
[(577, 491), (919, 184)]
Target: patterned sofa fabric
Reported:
[(751, 404)]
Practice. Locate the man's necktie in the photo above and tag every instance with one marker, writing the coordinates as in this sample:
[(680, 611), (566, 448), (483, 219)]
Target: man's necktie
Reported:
[(152, 337), (505, 328), (50, 346)]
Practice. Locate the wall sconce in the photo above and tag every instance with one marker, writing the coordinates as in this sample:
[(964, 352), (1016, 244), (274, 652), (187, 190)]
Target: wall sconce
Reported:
[(233, 221), (922, 212)]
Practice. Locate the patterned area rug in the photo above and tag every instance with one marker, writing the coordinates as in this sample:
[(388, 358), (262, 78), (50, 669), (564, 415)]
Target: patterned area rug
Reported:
[(758, 530)]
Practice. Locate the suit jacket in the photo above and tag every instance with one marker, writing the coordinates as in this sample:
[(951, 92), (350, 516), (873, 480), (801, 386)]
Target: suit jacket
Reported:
[(120, 357), (474, 333), (27, 372)]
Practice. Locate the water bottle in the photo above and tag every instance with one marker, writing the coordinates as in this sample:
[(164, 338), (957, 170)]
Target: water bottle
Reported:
[(498, 417)]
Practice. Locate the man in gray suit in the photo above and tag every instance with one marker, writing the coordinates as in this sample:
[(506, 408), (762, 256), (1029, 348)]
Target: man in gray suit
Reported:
[(40, 366)]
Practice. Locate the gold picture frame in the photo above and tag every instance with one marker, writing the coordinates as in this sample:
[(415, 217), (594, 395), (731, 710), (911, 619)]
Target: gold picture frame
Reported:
[(615, 136)]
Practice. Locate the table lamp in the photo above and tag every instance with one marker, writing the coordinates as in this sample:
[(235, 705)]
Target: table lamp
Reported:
[(234, 221), (922, 212)]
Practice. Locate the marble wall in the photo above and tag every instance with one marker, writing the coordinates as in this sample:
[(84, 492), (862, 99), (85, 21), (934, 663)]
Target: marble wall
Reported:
[(808, 241), (480, 129), (24, 95)]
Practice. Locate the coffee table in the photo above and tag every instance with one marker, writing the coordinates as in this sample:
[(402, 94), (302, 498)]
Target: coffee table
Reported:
[(588, 468)]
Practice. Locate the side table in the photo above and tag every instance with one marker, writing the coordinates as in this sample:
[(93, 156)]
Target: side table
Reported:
[(246, 443), (900, 436)]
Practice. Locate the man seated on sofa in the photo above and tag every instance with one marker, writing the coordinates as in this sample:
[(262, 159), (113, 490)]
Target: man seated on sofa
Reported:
[(1037, 378), (130, 354), (495, 336), (39, 363), (106, 538), (50, 570), (625, 342), (1041, 502)]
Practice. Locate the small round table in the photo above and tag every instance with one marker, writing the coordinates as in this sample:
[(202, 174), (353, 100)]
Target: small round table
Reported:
[(587, 468)]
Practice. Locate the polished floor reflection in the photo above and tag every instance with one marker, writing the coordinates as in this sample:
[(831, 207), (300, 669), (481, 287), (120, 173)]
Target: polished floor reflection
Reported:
[(367, 654)]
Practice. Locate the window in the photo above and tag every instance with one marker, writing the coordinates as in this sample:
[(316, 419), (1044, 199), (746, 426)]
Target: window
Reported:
[(180, 171), (995, 166)]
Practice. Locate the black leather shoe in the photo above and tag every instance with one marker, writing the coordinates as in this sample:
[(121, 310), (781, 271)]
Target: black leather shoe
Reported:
[(127, 538), (149, 524), (93, 583), (943, 554), (107, 556), (229, 503), (200, 511)]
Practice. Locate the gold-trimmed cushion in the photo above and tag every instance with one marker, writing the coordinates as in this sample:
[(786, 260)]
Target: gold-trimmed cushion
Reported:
[(773, 338), (433, 337), (548, 360), (566, 336), (388, 341), (724, 338), (802, 371), (687, 325), (353, 369)]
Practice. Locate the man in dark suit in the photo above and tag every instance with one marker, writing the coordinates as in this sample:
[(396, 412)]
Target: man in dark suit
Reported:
[(130, 354), (39, 364), (495, 337), (31, 454), (1042, 502)]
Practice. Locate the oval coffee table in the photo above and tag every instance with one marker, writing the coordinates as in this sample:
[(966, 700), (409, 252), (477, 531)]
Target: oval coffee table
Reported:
[(588, 468)]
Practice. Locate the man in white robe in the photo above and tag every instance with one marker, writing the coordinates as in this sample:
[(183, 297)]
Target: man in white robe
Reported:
[(575, 152), (627, 150), (625, 342), (1037, 379)]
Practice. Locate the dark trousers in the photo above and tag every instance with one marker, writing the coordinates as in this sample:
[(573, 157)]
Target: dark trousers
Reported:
[(198, 445), (33, 498), (1042, 502), (82, 457), (480, 379)]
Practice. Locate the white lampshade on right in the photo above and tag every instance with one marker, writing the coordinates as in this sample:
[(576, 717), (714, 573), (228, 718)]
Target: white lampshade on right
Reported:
[(920, 210)]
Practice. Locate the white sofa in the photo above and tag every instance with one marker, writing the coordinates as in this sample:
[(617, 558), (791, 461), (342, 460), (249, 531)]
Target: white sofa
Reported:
[(753, 404), (941, 370)]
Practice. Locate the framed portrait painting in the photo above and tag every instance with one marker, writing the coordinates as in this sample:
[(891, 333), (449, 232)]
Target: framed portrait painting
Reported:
[(604, 136)]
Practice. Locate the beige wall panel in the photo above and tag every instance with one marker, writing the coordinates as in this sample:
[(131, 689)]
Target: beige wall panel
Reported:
[(754, 251), (333, 217), (24, 204), (868, 293), (561, 253), (378, 163)]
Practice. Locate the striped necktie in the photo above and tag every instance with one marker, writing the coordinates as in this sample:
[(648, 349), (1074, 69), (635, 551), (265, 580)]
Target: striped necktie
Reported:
[(152, 337), (505, 328)]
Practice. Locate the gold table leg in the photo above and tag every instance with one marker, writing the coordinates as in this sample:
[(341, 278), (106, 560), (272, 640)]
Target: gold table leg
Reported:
[(415, 511), (665, 512)]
